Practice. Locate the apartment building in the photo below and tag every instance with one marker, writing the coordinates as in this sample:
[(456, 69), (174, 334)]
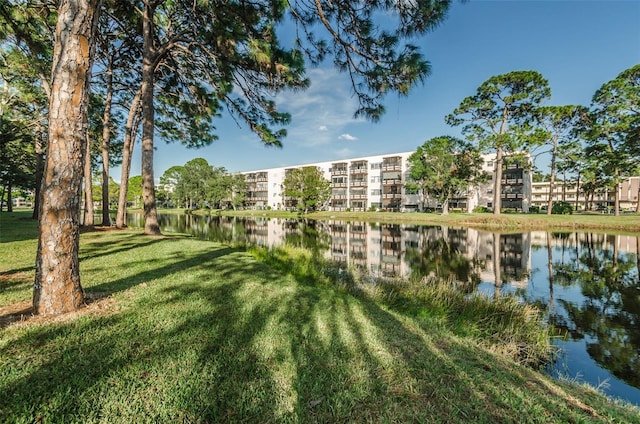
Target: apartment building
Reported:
[(570, 192), (378, 183)]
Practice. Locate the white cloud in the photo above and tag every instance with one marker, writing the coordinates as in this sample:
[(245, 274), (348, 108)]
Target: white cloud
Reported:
[(321, 112), (347, 136)]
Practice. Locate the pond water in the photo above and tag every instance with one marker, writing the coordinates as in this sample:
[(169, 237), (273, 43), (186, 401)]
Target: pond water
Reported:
[(587, 284)]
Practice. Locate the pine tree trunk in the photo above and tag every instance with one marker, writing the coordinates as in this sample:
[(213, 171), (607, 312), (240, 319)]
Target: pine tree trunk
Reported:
[(57, 286), (552, 180), (39, 153), (106, 141), (151, 225), (9, 197), (497, 184), (89, 220), (127, 152)]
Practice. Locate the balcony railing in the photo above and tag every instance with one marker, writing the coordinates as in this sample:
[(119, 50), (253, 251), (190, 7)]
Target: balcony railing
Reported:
[(392, 182), (511, 181)]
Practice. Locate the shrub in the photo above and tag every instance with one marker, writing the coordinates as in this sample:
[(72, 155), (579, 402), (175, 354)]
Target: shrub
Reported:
[(481, 209), (562, 208), (534, 209)]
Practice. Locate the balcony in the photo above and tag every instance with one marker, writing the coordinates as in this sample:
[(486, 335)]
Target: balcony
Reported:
[(358, 170), (391, 182), (358, 183), (392, 195), (392, 167), (511, 181)]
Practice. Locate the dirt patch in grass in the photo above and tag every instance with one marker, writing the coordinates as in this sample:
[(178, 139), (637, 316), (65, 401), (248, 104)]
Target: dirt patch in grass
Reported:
[(21, 313)]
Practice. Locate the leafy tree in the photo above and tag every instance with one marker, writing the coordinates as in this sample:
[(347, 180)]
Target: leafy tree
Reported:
[(444, 167), (16, 157), (193, 184), (308, 187), (134, 194), (116, 54), (169, 181), (202, 55), (539, 177), (615, 119), (238, 191), (134, 117), (498, 117), (571, 159), (218, 187), (26, 30), (559, 125), (234, 45), (112, 194), (594, 181)]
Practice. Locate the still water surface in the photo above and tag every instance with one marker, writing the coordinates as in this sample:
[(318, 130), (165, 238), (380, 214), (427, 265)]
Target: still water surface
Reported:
[(587, 284)]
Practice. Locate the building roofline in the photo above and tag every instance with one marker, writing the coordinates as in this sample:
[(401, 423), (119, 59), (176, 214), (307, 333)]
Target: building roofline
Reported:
[(327, 161)]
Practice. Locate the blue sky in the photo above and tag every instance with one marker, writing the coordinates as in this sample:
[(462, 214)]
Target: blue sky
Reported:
[(576, 45)]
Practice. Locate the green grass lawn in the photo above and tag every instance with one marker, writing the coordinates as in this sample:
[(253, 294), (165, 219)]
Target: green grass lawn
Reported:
[(182, 330)]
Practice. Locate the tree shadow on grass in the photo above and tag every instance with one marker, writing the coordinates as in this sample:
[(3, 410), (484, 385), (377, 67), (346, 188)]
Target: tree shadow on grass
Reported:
[(233, 340)]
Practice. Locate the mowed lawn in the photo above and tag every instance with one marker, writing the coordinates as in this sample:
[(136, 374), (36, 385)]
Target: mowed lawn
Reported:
[(182, 330)]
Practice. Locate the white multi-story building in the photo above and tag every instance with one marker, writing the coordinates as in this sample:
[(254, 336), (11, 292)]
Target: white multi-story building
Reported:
[(378, 183), (568, 191)]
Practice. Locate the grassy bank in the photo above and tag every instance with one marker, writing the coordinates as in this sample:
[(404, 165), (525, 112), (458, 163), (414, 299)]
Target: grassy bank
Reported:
[(628, 223), (181, 330)]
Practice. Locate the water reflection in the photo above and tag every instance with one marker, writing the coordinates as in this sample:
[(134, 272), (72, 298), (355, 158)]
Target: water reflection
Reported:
[(587, 283)]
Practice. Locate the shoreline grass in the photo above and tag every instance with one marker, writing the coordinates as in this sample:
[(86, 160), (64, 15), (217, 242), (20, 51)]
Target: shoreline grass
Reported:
[(183, 330), (507, 222)]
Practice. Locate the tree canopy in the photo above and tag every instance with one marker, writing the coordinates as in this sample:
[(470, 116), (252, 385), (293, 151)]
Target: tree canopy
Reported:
[(498, 117), (615, 122), (444, 167), (307, 187)]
